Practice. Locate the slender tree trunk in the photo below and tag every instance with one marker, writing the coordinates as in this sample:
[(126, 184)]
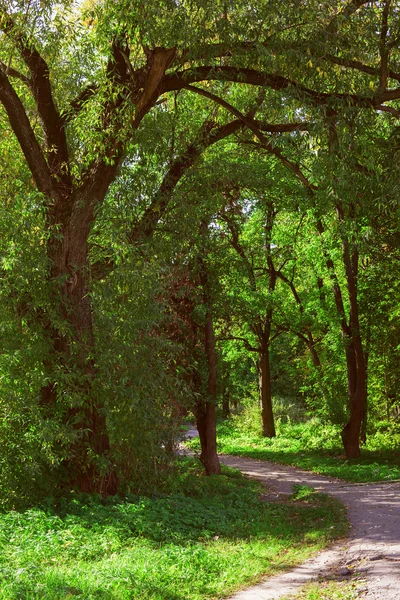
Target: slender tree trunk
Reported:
[(357, 390), (205, 422), (206, 414), (355, 358), (226, 411), (208, 417), (314, 354), (267, 415)]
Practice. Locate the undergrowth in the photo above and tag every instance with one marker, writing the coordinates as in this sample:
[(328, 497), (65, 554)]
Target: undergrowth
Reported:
[(311, 445), (205, 538)]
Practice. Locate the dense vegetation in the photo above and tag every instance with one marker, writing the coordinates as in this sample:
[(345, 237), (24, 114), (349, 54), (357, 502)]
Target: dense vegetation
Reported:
[(199, 217), (202, 539), (312, 445), (194, 196)]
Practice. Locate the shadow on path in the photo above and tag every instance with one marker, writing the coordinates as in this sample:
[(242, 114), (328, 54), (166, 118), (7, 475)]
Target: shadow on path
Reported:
[(372, 550)]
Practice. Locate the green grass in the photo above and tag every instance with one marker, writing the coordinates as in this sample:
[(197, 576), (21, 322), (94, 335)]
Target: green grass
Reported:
[(207, 538), (331, 590), (315, 447)]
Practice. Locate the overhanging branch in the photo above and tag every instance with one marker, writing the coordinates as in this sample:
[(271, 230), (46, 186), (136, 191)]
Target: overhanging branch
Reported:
[(39, 82), (25, 135)]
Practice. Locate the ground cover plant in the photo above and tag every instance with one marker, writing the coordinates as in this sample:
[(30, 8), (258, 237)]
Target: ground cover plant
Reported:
[(311, 445), (327, 590), (203, 539)]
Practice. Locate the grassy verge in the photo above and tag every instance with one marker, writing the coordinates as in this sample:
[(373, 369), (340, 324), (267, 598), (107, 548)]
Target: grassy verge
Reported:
[(204, 539), (315, 447), (327, 591)]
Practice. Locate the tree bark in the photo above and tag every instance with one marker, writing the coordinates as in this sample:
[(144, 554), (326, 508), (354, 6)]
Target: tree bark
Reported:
[(73, 356), (206, 426), (206, 413), (267, 415), (355, 359), (206, 417)]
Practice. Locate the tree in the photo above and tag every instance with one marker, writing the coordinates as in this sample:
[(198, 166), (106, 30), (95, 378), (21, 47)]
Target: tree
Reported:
[(78, 92)]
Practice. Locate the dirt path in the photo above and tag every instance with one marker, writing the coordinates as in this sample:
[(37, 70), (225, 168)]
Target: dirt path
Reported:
[(372, 552)]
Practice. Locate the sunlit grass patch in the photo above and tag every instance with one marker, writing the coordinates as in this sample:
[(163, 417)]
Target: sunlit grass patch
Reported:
[(313, 446), (209, 537)]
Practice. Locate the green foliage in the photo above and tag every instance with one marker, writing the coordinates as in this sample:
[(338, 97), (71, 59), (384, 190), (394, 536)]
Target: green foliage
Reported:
[(314, 446), (247, 421), (203, 538), (302, 493), (141, 393), (316, 172)]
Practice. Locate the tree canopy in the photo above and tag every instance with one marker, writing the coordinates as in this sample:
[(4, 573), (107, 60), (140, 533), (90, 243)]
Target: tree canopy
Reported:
[(183, 181)]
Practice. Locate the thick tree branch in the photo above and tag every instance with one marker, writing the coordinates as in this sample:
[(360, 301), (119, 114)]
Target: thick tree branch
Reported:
[(182, 79), (158, 62), (143, 91), (390, 109), (354, 64), (209, 135), (25, 135), (10, 72), (79, 102), (52, 122), (253, 126)]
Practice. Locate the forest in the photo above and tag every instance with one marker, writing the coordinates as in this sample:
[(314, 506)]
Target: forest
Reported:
[(199, 224)]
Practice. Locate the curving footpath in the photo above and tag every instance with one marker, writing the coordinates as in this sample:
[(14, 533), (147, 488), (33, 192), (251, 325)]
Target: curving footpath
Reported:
[(371, 553)]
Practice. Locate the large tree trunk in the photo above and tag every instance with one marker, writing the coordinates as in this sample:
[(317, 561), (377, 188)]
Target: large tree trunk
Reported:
[(264, 378), (73, 356)]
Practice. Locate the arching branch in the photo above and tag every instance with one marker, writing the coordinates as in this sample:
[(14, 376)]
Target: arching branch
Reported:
[(25, 135), (181, 79), (209, 135), (39, 82), (10, 72)]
